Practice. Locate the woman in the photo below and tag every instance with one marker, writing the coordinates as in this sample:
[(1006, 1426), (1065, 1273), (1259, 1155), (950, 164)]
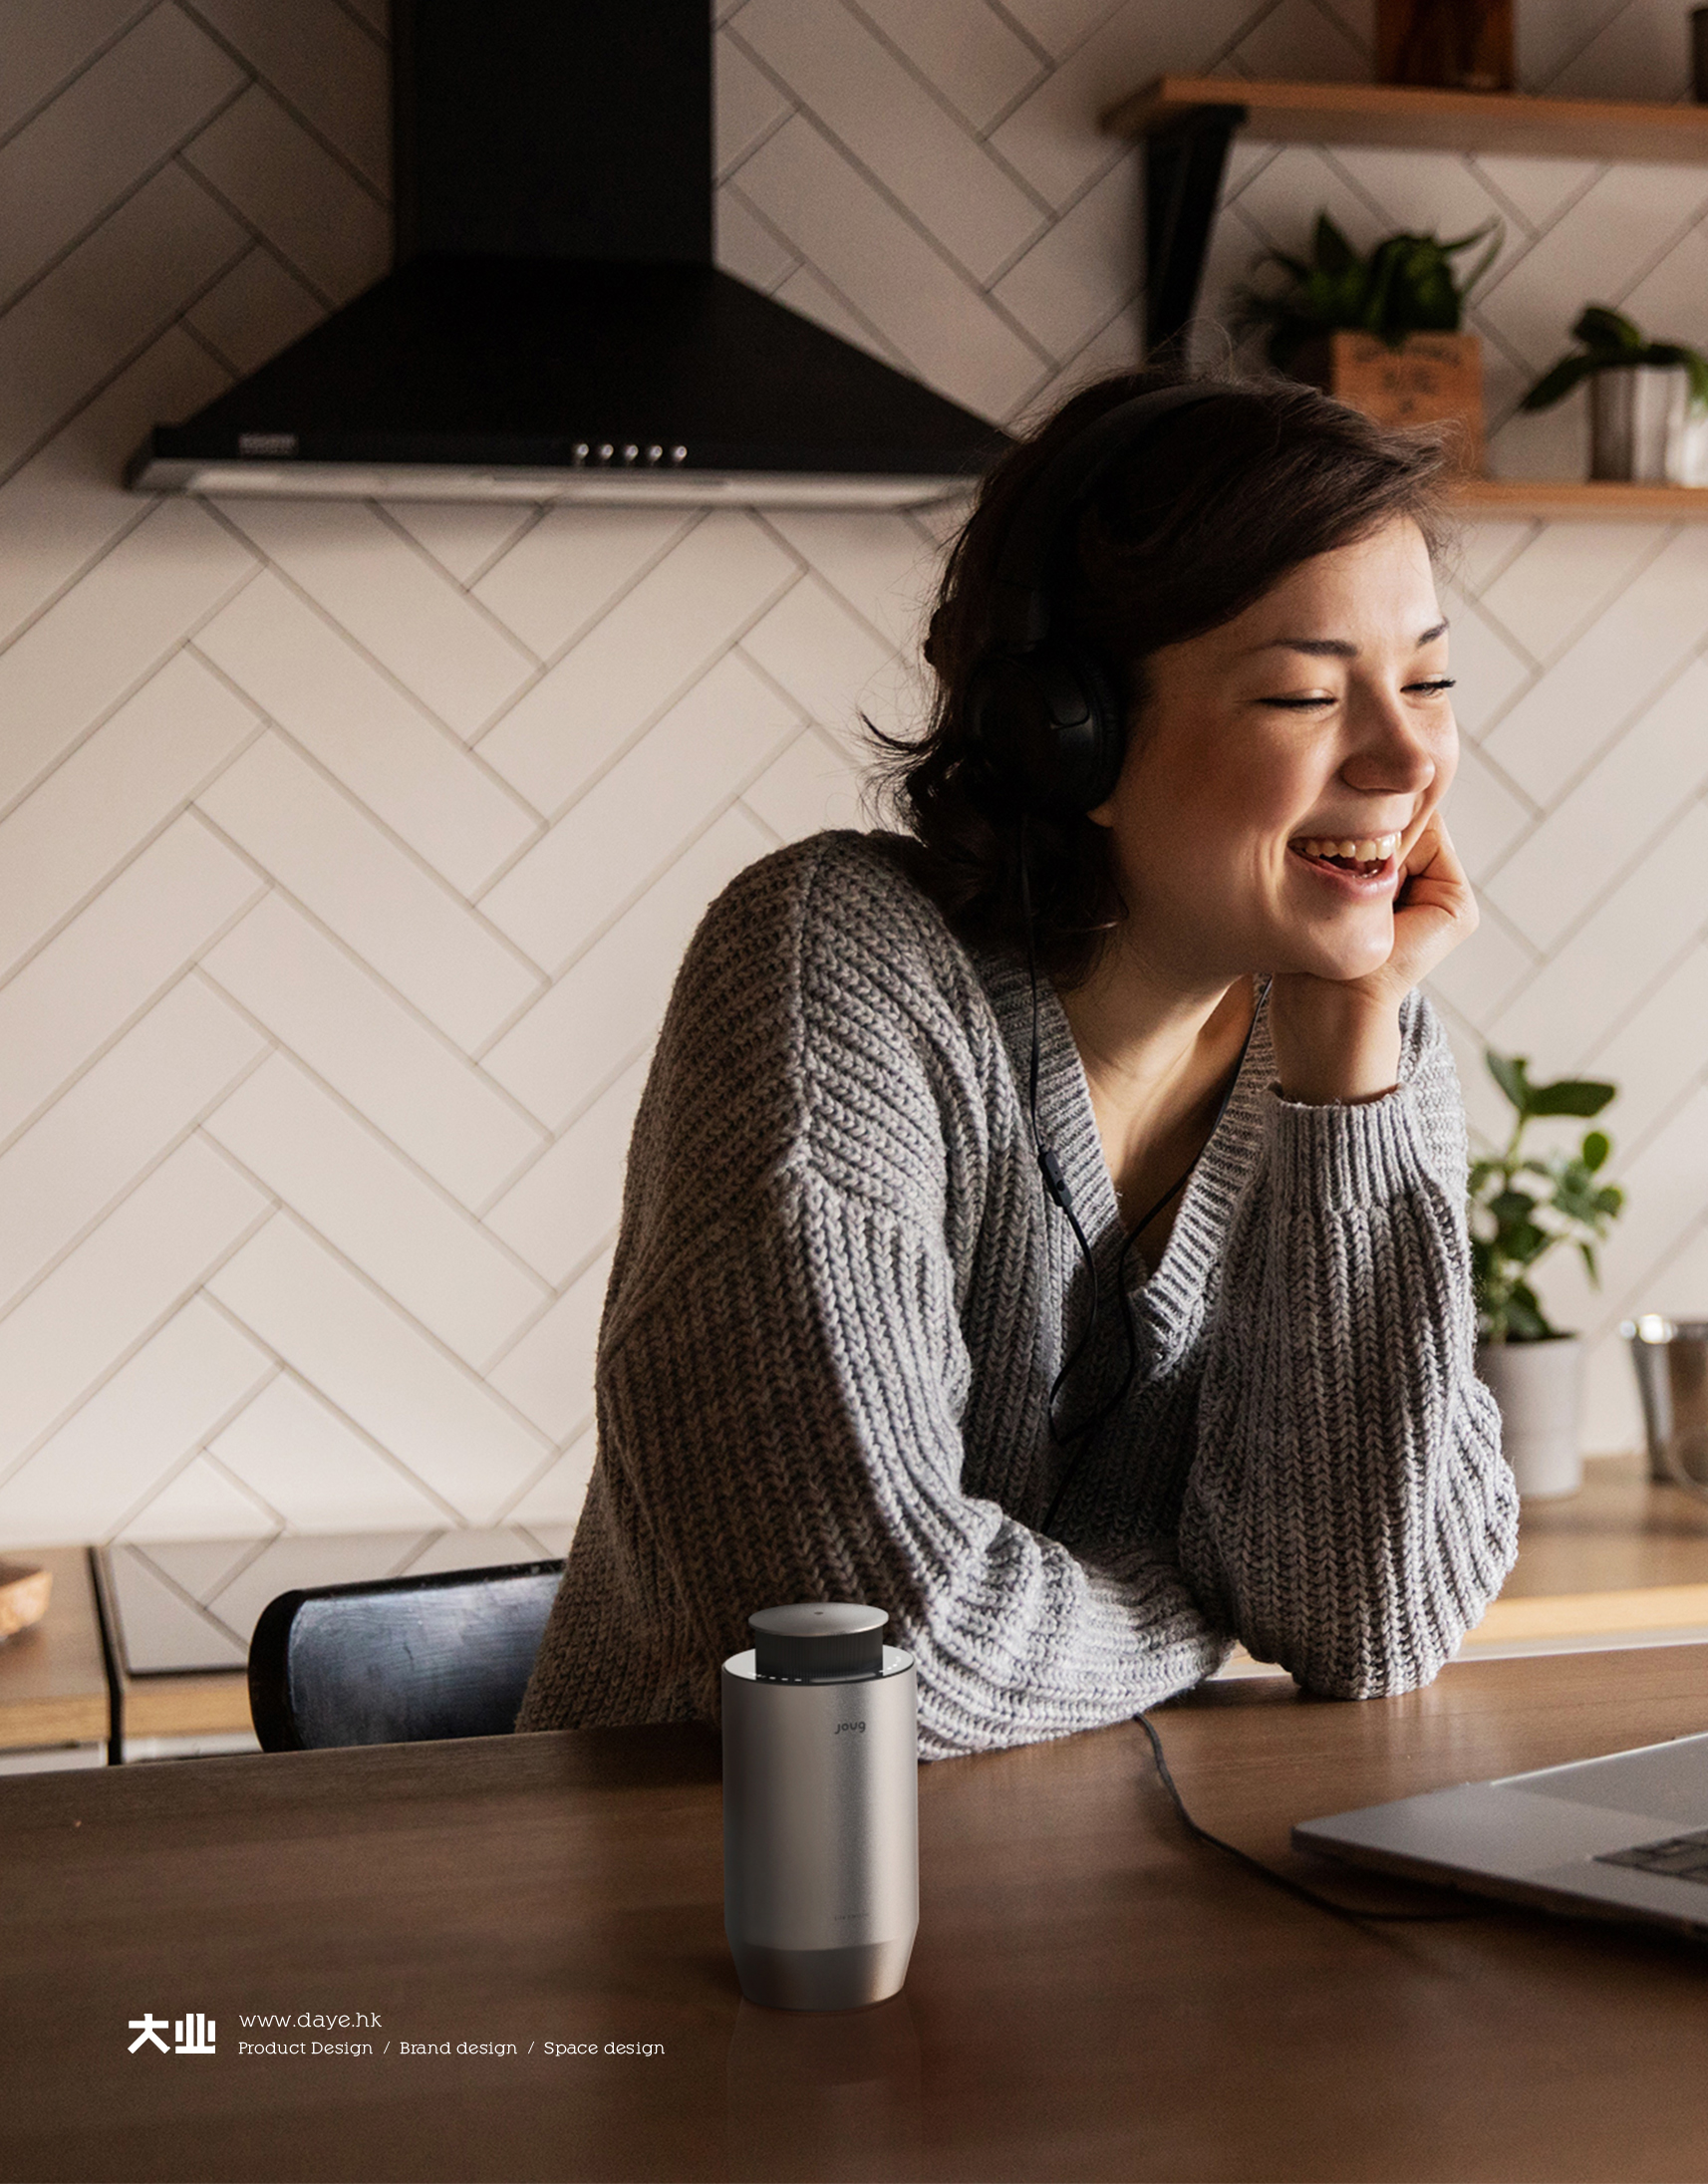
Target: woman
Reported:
[(1049, 1225)]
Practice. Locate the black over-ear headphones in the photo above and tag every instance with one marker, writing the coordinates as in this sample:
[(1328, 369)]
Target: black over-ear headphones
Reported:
[(1042, 713)]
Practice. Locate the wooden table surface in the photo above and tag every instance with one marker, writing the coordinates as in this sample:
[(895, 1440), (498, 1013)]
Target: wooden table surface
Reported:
[(1092, 1995), (1621, 1559), (1619, 1530)]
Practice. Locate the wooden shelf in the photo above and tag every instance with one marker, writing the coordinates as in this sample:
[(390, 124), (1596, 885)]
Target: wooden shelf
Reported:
[(1426, 120), (1187, 123), (1599, 502)]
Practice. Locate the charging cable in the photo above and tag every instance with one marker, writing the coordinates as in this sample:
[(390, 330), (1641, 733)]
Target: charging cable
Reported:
[(1350, 1912)]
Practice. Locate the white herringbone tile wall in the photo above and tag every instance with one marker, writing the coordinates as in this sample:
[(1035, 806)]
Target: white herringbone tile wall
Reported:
[(346, 852)]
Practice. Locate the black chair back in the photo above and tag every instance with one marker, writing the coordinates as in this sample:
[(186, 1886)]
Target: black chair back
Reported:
[(399, 1659)]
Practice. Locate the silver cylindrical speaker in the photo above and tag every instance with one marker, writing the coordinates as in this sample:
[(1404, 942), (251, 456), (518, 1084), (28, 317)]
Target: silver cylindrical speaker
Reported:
[(821, 1808)]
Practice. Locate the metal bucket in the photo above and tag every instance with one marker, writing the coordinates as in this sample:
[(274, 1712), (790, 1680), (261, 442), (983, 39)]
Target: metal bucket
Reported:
[(1638, 418), (1672, 1361)]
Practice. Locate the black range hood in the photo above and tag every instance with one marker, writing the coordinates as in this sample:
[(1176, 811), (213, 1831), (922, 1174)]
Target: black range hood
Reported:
[(554, 328)]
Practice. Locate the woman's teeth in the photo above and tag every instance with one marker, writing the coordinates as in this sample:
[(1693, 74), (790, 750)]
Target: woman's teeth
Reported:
[(1373, 848)]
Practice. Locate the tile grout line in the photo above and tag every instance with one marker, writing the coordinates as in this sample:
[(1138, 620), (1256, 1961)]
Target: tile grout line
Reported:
[(677, 693), (10, 1470), (550, 662), (179, 1138), (105, 1046), (214, 507), (422, 1176), (285, 1370), (391, 1305), (897, 206), (259, 80), (11, 298), (142, 10)]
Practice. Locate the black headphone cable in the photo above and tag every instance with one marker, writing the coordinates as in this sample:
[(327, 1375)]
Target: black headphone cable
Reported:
[(1286, 1881), (1056, 1186)]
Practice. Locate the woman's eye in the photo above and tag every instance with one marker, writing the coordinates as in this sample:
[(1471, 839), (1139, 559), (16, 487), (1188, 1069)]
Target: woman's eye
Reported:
[(1299, 704), (1438, 683)]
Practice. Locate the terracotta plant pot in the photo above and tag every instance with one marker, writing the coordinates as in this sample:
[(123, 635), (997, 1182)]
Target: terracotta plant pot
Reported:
[(1537, 1383), (1430, 378)]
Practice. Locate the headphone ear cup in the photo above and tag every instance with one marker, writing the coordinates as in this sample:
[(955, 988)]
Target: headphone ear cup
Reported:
[(1045, 727), (1093, 748)]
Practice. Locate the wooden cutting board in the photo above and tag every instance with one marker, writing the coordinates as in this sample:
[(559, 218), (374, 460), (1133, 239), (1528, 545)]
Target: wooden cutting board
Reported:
[(24, 1592)]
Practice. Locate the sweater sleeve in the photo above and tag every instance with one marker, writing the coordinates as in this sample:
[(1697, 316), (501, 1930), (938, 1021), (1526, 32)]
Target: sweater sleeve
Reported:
[(786, 1416), (1348, 1511)]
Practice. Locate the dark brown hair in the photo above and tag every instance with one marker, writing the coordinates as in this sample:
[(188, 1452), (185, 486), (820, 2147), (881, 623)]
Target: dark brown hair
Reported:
[(1210, 511)]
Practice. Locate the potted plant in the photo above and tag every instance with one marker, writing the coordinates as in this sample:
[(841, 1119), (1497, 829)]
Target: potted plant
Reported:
[(1521, 1208), (1648, 399), (1383, 332)]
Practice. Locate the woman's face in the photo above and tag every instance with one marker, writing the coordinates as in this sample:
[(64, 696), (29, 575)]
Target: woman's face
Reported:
[(1283, 767)]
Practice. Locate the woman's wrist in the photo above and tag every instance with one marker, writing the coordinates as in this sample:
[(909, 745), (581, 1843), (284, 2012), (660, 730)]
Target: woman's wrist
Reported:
[(1333, 1043)]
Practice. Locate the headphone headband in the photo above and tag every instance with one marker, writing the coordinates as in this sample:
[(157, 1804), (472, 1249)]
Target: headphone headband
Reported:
[(1020, 613)]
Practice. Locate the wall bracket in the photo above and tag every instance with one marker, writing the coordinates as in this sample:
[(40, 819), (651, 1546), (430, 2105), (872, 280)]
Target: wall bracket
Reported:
[(1185, 158)]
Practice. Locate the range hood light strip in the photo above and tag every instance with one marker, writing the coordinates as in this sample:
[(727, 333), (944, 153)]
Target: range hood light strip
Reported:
[(594, 484)]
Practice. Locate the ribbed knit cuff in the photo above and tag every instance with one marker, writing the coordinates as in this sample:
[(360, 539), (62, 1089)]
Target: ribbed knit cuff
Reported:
[(1342, 1157)]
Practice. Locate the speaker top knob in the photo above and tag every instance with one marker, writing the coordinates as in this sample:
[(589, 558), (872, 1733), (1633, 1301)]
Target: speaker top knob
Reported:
[(818, 1642)]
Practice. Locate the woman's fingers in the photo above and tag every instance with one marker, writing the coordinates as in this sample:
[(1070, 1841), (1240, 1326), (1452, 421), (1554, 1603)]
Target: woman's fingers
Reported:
[(1435, 908)]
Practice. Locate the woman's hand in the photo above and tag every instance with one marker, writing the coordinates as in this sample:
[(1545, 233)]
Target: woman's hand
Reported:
[(1339, 1039)]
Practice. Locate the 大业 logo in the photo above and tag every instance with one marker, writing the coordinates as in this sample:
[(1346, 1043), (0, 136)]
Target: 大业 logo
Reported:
[(191, 2035)]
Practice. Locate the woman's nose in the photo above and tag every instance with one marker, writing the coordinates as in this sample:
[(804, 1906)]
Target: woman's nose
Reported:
[(1394, 756)]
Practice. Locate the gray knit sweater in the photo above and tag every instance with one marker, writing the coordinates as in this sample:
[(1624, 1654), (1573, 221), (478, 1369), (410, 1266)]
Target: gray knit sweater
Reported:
[(840, 1298)]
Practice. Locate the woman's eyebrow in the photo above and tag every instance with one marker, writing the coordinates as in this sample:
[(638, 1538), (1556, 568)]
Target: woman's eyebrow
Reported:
[(1337, 648)]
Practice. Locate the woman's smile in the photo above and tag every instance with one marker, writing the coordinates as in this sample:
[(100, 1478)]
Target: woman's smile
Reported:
[(1356, 871)]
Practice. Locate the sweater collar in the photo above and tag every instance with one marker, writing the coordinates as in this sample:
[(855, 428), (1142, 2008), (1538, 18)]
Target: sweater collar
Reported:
[(1174, 1290)]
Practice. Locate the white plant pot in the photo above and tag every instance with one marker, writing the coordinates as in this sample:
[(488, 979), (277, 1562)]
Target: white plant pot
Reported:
[(1536, 1384)]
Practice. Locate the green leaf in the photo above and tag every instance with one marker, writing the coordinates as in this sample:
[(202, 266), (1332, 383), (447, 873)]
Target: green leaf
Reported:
[(1497, 228), (1570, 1096), (1525, 1320), (1523, 1241), (1595, 1150), (1610, 1200), (1554, 384), (1588, 1254), (1694, 361), (1601, 327), (1406, 285), (1509, 1073), (1333, 253), (1574, 1199), (1510, 1206)]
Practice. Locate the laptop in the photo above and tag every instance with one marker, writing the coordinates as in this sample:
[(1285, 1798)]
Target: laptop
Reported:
[(1621, 1837)]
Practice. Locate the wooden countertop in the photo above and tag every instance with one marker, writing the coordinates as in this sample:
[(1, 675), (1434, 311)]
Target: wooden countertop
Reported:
[(53, 1676), (1619, 1561), (1092, 1994)]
